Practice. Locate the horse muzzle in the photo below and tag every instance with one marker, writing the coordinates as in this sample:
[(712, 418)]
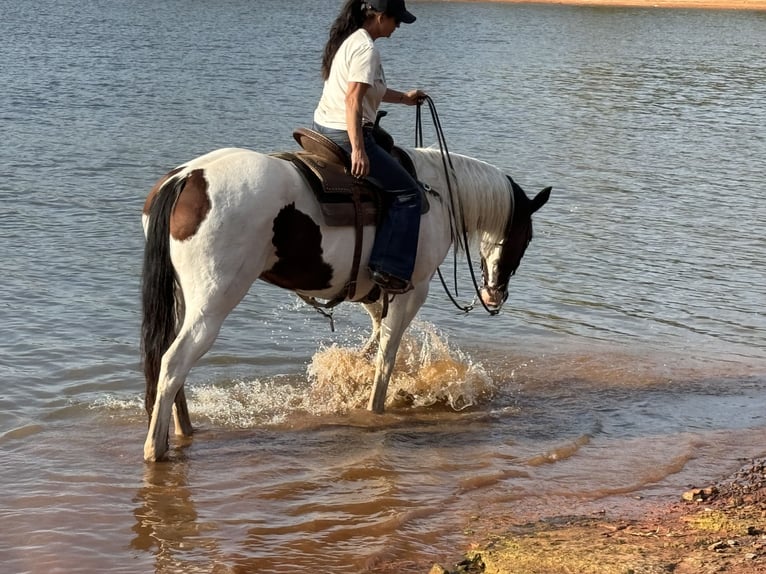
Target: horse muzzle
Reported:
[(493, 297)]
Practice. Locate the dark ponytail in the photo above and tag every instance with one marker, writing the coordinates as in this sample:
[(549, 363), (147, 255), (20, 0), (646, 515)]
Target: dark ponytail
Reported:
[(350, 19)]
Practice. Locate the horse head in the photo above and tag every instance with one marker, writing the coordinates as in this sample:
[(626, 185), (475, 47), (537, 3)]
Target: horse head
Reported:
[(500, 259)]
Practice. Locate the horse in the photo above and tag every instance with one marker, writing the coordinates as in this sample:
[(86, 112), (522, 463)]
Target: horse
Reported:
[(218, 223)]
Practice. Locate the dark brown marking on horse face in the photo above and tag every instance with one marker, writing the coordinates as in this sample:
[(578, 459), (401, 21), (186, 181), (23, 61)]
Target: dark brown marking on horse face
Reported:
[(156, 189), (191, 208), (298, 243), (518, 235)]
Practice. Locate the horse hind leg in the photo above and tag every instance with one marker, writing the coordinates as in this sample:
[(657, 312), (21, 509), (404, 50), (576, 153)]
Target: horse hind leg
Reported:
[(194, 340), (183, 426), (197, 334)]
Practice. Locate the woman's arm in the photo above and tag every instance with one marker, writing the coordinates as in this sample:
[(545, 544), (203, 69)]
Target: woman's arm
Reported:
[(360, 164), (410, 98)]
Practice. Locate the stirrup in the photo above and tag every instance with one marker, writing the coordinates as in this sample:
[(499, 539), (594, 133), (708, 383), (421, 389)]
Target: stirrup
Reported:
[(390, 283)]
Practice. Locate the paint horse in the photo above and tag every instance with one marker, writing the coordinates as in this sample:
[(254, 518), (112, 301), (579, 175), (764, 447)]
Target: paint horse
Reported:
[(223, 220)]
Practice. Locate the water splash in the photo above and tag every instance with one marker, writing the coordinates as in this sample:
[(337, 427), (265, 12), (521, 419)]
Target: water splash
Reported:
[(246, 404), (428, 372)]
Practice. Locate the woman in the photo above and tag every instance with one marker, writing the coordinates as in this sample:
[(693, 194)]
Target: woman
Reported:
[(354, 86)]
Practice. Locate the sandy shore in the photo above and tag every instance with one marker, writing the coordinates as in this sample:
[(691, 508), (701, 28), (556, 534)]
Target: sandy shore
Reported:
[(708, 4), (714, 529)]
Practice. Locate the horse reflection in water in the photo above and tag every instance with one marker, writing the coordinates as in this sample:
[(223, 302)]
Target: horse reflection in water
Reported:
[(168, 525), (223, 220)]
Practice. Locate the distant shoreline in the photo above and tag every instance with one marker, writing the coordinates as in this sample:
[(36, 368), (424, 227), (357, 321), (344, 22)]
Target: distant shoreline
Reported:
[(703, 4)]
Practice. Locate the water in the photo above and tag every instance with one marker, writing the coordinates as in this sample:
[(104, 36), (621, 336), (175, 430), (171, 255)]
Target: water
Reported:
[(629, 360)]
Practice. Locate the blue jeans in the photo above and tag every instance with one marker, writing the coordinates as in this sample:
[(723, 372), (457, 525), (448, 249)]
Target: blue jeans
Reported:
[(396, 240)]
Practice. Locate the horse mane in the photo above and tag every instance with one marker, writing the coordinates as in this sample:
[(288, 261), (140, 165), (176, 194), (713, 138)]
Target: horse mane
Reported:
[(484, 193)]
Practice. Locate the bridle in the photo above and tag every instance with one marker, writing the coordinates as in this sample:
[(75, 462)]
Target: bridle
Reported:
[(457, 211)]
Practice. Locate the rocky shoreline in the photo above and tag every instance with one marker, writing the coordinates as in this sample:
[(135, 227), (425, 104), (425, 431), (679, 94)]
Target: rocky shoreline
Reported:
[(718, 528)]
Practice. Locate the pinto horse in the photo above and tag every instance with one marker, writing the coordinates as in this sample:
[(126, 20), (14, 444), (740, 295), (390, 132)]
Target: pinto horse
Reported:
[(219, 222)]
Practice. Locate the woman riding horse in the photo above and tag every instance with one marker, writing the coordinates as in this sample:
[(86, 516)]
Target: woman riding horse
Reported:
[(354, 87)]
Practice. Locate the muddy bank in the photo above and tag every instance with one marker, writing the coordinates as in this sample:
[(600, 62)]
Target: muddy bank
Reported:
[(718, 528)]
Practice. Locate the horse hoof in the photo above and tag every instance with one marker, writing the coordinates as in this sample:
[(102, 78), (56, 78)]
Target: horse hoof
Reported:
[(152, 454), (184, 431)]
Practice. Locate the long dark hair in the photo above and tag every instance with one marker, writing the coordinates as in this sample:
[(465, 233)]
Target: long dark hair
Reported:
[(351, 17)]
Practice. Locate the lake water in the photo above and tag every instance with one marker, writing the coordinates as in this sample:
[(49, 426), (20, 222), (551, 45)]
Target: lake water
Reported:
[(630, 360)]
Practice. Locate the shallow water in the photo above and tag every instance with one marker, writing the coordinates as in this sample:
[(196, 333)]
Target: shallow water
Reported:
[(628, 362)]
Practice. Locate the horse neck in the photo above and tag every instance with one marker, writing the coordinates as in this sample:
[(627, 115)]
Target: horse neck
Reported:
[(481, 191)]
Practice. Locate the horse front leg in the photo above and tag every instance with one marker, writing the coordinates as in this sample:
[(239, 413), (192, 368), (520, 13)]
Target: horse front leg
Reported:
[(383, 369), (375, 310), (401, 312)]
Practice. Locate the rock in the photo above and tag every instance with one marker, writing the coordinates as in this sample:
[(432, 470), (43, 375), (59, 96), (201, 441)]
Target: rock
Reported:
[(473, 565), (699, 494), (722, 545)]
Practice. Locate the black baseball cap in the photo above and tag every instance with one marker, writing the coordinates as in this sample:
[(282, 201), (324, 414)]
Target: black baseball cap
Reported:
[(394, 8)]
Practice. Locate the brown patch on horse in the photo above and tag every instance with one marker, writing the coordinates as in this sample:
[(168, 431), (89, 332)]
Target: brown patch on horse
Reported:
[(298, 242), (191, 208), (156, 189)]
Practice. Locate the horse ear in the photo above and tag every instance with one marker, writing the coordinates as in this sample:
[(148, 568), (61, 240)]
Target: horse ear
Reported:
[(541, 199)]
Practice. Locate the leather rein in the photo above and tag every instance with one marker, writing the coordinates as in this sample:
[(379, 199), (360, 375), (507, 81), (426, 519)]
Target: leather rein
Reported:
[(456, 210)]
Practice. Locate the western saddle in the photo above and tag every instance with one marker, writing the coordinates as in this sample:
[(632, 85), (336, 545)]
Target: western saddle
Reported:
[(344, 199)]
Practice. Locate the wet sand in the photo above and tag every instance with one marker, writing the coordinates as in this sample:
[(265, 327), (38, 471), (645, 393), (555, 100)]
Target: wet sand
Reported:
[(707, 4), (718, 528)]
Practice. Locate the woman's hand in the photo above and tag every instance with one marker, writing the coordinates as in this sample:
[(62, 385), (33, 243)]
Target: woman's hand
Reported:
[(413, 97), (360, 163)]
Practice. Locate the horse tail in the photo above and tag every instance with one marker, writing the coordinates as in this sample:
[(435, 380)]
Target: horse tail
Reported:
[(161, 298)]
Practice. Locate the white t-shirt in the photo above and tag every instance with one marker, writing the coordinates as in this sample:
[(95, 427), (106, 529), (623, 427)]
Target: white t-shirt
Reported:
[(357, 60)]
